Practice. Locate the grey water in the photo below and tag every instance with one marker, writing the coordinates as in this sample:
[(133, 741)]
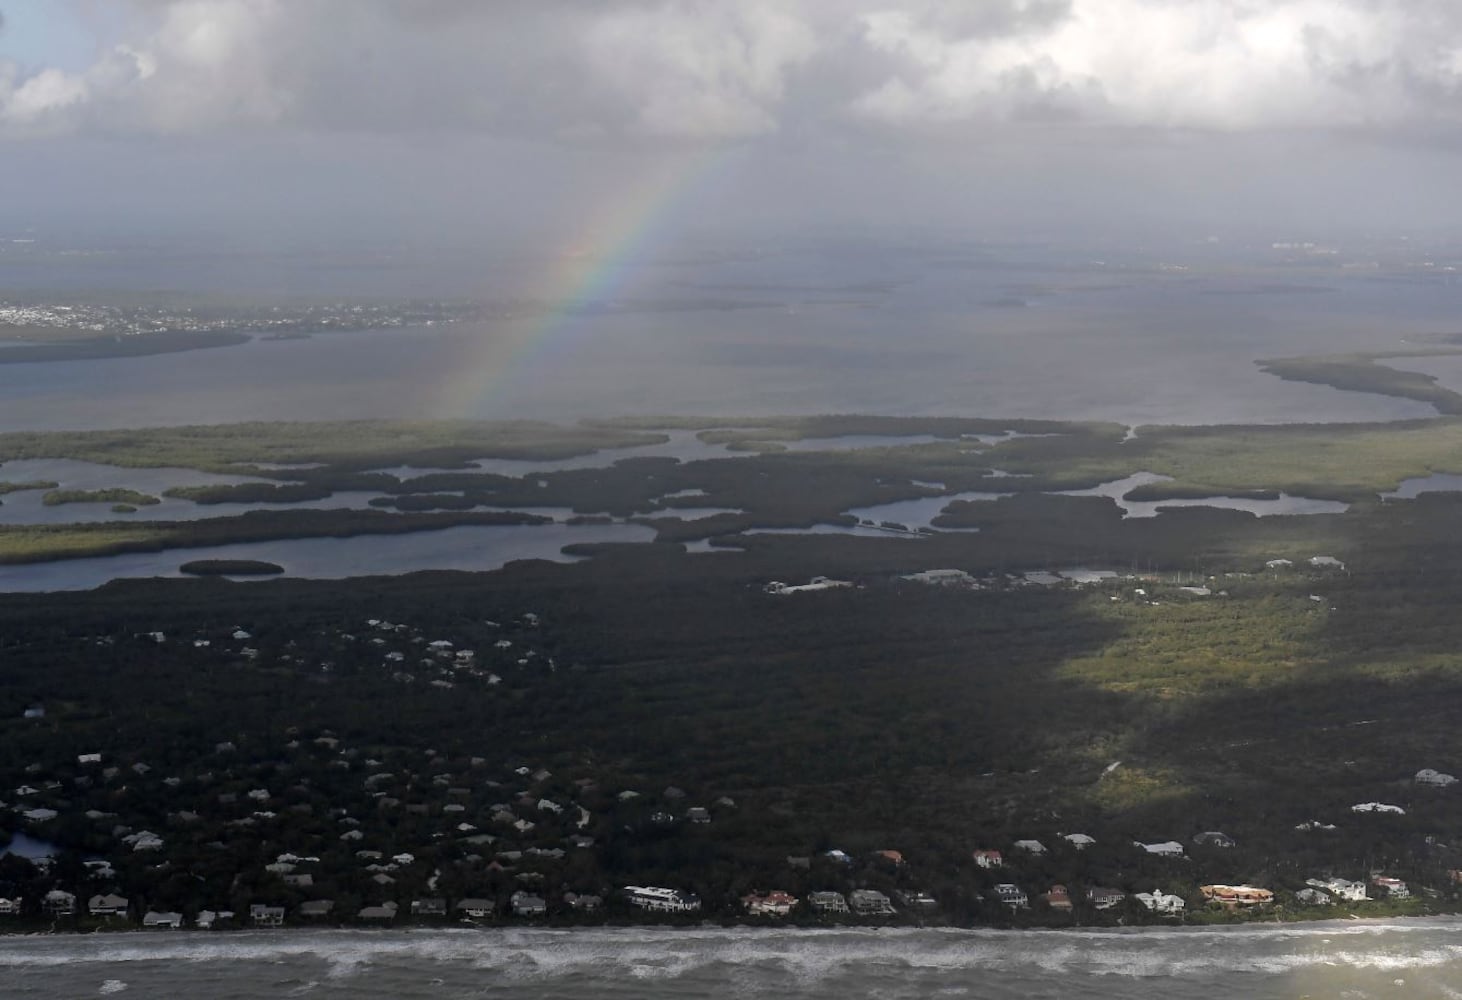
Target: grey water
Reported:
[(1354, 960), (1437, 482), (908, 333), (474, 548), (921, 511), (1284, 504)]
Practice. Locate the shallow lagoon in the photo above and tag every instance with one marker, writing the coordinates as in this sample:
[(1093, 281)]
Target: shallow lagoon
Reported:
[(1284, 504), (466, 547)]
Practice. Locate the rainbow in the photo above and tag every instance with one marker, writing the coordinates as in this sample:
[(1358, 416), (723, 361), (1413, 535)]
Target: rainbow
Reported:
[(594, 267)]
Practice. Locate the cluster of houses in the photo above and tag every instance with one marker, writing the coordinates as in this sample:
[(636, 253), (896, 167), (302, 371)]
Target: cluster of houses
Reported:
[(369, 824), (379, 834), (1317, 891)]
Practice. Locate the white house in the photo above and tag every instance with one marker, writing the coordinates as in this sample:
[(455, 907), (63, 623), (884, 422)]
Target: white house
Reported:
[(1030, 846), (1164, 849), (1437, 779), (1011, 895), (1352, 892), (1160, 902), (1080, 841), (1377, 807), (649, 897), (110, 905), (169, 920)]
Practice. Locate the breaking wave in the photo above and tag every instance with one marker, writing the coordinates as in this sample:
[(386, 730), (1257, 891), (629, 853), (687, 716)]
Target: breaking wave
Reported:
[(792, 956)]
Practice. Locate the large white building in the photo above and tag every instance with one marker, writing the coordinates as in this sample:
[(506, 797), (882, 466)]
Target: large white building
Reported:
[(649, 897), (1160, 902), (1340, 888)]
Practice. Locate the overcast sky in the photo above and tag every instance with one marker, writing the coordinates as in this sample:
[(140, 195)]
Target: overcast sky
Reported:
[(469, 119)]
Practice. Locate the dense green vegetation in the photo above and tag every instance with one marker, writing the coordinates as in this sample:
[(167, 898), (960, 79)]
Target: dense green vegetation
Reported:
[(39, 484), (133, 498), (1170, 491), (42, 542), (230, 567), (1361, 373), (359, 444), (250, 493)]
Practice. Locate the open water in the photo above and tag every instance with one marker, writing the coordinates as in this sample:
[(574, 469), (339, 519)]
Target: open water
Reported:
[(797, 329), (1350, 960)]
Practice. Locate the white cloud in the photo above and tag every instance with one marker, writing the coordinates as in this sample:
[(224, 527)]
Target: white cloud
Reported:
[(700, 69), (709, 70), (1159, 63), (48, 92)]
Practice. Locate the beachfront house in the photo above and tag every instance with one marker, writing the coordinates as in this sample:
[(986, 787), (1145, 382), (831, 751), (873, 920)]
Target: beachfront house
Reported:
[(58, 903), (1158, 901), (584, 902), (769, 904), (475, 907), (1058, 898), (869, 903), (1011, 895), (109, 905), (384, 913), (828, 902), (164, 920), (658, 899), (1351, 892), (1236, 896), (526, 904), (263, 915), (1393, 887)]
